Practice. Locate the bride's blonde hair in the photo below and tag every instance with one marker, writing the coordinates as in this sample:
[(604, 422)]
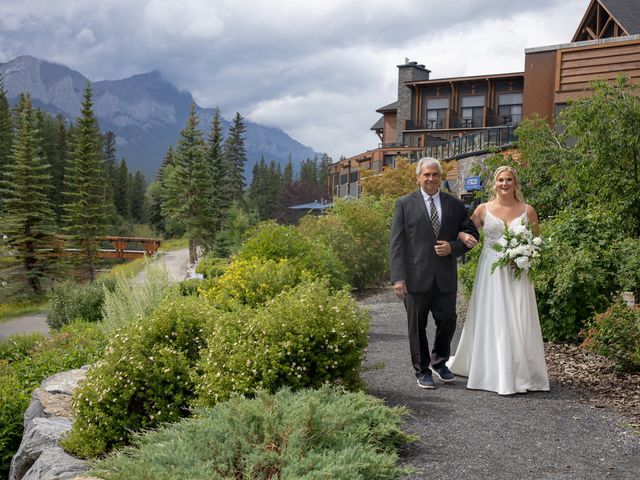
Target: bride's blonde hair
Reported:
[(516, 190)]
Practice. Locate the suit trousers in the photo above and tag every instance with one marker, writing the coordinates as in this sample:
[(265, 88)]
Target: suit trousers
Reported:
[(442, 306)]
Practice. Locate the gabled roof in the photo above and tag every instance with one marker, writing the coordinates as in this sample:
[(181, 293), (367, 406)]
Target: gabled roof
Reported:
[(626, 12), (379, 125), (392, 107), (609, 18)]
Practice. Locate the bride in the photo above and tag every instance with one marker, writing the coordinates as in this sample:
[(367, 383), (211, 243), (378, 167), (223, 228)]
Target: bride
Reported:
[(501, 348)]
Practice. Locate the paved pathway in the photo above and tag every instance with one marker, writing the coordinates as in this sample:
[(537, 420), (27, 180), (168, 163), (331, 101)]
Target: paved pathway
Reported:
[(176, 261), (467, 434)]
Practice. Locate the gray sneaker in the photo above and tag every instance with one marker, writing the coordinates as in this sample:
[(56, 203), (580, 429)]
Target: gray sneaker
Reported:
[(425, 380), (443, 373)]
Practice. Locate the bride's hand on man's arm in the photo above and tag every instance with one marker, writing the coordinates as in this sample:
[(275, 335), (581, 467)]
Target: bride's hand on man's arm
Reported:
[(468, 239)]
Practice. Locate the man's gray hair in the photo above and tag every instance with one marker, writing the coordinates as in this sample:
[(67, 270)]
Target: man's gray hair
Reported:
[(428, 162)]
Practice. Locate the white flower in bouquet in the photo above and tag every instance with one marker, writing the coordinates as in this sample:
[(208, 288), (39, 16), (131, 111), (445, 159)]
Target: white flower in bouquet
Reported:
[(517, 249)]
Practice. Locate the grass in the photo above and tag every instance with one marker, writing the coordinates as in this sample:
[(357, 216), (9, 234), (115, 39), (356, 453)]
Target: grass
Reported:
[(9, 310), (174, 244)]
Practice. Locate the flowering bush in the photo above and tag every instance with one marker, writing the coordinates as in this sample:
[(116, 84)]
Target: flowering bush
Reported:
[(276, 242), (518, 248), (616, 334), (143, 379), (304, 337), (253, 282), (211, 266), (72, 301)]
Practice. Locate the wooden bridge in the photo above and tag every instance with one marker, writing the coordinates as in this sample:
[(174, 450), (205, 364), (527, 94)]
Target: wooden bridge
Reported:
[(112, 247)]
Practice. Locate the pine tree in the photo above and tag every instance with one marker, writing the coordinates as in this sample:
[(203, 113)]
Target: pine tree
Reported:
[(323, 175), (236, 156), (121, 190), (58, 165), (111, 172), (137, 198), (6, 134), (156, 190), (288, 173), (85, 212), (220, 195), (28, 220), (186, 184)]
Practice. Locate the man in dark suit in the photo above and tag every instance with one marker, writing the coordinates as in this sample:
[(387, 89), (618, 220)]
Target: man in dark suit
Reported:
[(423, 252)]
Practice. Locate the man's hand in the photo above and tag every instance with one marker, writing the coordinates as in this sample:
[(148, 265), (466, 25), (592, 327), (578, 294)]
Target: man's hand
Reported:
[(468, 239), (443, 248), (400, 289)]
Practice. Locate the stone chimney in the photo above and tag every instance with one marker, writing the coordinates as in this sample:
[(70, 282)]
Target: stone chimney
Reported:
[(409, 72)]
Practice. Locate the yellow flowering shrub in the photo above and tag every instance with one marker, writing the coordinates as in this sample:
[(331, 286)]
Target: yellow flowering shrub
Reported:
[(304, 337)]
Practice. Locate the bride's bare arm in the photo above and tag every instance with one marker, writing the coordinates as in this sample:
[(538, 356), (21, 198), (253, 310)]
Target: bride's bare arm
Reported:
[(477, 217)]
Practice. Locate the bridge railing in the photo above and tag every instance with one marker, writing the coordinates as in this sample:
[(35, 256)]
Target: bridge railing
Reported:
[(111, 247)]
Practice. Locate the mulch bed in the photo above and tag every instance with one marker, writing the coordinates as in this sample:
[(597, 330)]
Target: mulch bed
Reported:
[(594, 379)]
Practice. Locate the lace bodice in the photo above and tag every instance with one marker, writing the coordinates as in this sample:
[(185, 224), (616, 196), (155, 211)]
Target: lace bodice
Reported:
[(494, 227)]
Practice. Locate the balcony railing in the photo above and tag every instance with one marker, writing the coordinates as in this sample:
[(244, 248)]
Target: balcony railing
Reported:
[(457, 122), (473, 142)]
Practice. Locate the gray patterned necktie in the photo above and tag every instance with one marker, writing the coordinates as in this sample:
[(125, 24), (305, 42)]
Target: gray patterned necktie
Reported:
[(435, 220)]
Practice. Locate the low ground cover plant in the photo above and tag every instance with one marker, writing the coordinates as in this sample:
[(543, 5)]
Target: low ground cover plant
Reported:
[(324, 433), (304, 337)]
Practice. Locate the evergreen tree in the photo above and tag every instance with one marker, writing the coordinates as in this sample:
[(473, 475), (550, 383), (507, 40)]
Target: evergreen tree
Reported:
[(187, 183), (58, 165), (121, 190), (111, 172), (258, 190), (85, 214), (137, 198), (28, 220), (323, 175), (220, 194), (235, 157), (288, 173), (155, 192), (6, 134)]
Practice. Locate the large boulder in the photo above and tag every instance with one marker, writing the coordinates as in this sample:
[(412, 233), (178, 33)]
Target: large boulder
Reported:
[(46, 420)]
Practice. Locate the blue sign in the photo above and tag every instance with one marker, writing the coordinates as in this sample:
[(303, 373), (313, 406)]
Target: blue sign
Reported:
[(472, 183)]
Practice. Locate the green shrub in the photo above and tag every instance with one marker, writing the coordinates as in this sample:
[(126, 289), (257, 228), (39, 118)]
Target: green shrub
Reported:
[(358, 232), (75, 345), (575, 278), (304, 337), (254, 282), (14, 400), (616, 334), (321, 434), (276, 242), (467, 270), (191, 286), (128, 302), (71, 301), (16, 347), (628, 276), (211, 266), (143, 379)]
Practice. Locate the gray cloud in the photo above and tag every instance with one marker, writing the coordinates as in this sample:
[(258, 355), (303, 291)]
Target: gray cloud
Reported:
[(318, 68)]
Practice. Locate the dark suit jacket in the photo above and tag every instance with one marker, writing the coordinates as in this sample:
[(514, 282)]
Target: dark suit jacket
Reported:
[(412, 255)]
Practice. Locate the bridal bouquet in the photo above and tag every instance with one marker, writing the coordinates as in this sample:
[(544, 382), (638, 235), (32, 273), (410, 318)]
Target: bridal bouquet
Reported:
[(518, 248)]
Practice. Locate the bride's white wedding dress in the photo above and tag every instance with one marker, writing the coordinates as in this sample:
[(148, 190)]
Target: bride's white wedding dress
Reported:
[(501, 347)]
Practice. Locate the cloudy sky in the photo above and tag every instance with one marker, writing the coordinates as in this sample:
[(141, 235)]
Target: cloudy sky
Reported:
[(318, 69)]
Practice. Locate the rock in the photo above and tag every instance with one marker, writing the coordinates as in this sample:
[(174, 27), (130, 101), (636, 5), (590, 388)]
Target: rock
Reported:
[(40, 434), (55, 464), (47, 418)]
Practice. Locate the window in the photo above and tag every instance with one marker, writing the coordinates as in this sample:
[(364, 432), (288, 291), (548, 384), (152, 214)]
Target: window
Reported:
[(354, 177), (389, 160), (437, 112), (509, 108), (472, 112), (344, 178)]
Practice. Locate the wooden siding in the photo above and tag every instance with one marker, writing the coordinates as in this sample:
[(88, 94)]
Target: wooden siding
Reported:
[(578, 67)]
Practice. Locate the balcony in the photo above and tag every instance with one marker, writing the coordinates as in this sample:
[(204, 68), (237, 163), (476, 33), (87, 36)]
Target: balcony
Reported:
[(462, 123)]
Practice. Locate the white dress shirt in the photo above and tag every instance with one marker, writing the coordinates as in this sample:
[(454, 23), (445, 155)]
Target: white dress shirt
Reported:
[(436, 200)]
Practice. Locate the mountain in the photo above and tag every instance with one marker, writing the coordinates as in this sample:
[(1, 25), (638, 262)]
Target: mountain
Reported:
[(144, 111)]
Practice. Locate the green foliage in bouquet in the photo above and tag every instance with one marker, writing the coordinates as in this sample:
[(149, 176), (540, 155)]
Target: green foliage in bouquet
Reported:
[(616, 335), (142, 380), (304, 337), (312, 434)]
